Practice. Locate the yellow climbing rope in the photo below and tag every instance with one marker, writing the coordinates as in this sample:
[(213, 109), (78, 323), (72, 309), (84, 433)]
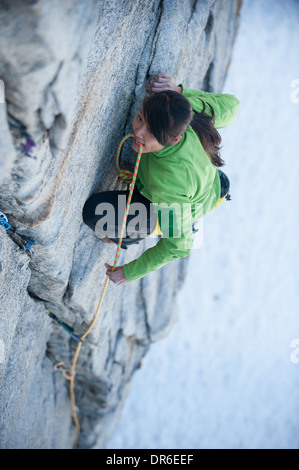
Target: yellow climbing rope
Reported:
[(128, 177)]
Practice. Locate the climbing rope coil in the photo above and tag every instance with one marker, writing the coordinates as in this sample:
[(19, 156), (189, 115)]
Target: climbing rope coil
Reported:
[(125, 175), (128, 177)]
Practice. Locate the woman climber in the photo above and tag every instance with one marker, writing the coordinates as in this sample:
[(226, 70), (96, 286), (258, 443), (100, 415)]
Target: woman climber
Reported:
[(178, 180)]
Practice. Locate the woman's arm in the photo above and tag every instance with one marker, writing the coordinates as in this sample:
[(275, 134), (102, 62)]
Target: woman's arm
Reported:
[(175, 219), (177, 246), (225, 106), (166, 250)]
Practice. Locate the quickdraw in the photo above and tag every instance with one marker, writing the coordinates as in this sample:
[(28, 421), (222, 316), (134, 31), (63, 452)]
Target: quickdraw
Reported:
[(66, 327), (26, 243), (4, 222)]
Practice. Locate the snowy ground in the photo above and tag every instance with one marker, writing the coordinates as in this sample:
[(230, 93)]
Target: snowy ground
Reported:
[(227, 376)]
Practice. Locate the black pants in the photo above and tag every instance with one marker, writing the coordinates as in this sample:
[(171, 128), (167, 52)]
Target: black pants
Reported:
[(104, 213)]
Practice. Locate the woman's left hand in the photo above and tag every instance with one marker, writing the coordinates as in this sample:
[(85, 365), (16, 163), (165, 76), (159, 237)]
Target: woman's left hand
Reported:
[(162, 82), (117, 276)]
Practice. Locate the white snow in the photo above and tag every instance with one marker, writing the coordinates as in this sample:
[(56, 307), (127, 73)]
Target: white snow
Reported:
[(227, 375)]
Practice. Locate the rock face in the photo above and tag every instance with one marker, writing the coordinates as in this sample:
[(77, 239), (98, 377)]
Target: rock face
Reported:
[(74, 74)]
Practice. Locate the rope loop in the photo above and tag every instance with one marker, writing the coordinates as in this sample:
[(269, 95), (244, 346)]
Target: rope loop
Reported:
[(67, 376), (65, 372), (124, 175)]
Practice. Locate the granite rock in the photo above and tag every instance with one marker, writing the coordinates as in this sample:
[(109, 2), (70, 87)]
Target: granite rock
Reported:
[(74, 75)]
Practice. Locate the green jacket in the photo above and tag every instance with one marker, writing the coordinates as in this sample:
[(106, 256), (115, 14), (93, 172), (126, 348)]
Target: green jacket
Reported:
[(182, 174)]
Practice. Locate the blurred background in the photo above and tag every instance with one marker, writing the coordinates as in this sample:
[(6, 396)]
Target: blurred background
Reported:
[(227, 376)]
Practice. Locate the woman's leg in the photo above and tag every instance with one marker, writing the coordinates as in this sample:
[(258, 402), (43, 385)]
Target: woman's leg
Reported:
[(104, 213)]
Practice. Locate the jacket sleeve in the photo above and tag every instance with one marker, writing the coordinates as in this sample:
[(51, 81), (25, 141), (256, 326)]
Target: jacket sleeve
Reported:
[(225, 106), (177, 239)]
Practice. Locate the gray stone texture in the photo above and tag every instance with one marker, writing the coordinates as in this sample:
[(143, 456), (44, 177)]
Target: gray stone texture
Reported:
[(75, 74)]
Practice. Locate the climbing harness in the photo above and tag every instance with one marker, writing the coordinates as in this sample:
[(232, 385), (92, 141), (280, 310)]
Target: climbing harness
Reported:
[(128, 177), (66, 327), (22, 240), (227, 197)]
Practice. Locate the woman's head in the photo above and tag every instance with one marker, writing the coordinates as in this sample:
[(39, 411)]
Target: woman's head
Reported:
[(162, 120), (165, 116)]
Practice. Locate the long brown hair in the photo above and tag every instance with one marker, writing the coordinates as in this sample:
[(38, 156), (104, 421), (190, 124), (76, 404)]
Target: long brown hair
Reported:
[(168, 114), (202, 124)]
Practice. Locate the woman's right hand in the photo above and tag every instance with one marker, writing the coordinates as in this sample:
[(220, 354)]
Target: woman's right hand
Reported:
[(162, 82)]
